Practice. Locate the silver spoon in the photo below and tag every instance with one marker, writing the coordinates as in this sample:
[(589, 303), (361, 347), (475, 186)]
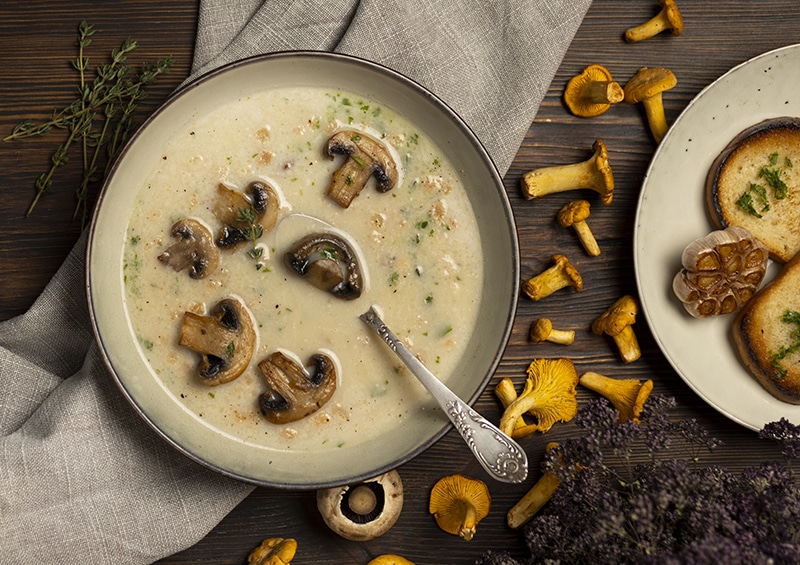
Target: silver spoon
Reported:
[(500, 455)]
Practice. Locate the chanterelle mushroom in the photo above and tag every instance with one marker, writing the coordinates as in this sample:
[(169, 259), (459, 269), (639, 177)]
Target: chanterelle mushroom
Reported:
[(294, 391), (617, 322), (327, 262), (669, 18), (245, 216), (542, 330), (365, 157), (390, 559), (562, 274), (363, 511), (646, 87), (574, 214), (193, 250), (594, 173), (458, 504), (592, 92), (273, 551), (627, 395), (225, 339), (533, 501), (549, 395)]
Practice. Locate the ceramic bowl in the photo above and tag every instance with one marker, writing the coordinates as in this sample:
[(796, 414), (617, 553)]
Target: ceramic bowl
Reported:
[(126, 357)]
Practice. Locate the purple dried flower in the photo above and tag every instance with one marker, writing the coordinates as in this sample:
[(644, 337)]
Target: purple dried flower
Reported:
[(786, 433), (652, 508), (496, 558)]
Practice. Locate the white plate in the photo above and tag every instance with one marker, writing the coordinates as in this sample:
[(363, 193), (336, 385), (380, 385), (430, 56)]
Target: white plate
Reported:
[(672, 213)]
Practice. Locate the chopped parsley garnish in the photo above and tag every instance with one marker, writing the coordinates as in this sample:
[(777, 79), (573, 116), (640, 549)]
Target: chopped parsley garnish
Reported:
[(789, 317), (773, 178), (755, 200)]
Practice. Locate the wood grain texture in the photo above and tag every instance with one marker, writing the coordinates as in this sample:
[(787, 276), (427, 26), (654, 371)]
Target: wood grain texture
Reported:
[(36, 41)]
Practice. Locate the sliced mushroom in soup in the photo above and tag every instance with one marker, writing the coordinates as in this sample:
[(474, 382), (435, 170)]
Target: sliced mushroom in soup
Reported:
[(328, 262)]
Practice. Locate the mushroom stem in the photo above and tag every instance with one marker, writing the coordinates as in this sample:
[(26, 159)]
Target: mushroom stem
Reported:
[(603, 92), (469, 522), (587, 238), (533, 501), (627, 344), (656, 117), (626, 395), (560, 275), (507, 394), (669, 18), (594, 173)]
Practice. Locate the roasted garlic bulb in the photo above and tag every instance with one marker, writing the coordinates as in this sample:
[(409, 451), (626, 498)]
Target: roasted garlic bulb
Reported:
[(721, 272)]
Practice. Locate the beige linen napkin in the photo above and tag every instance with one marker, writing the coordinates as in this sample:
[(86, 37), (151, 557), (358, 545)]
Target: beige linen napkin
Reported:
[(82, 478)]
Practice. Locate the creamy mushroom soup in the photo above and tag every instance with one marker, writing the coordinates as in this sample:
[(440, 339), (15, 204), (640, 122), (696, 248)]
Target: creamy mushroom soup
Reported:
[(417, 244)]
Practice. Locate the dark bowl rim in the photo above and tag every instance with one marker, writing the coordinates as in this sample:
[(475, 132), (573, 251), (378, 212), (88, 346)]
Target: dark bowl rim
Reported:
[(193, 83)]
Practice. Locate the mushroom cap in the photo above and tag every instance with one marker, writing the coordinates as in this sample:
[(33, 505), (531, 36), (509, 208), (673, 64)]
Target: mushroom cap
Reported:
[(579, 94), (273, 551), (627, 395), (649, 82), (673, 15), (619, 316), (549, 395), (553, 389), (573, 212), (541, 329), (327, 261), (606, 185), (193, 249), (225, 340), (295, 392), (459, 503), (365, 157), (337, 511), (563, 262), (245, 215), (390, 559)]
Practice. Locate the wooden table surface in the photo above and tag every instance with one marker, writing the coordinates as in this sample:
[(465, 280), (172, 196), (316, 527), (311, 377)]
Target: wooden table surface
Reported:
[(37, 40)]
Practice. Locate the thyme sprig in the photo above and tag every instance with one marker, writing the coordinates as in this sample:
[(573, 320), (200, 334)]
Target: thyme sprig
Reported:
[(100, 118), (252, 233)]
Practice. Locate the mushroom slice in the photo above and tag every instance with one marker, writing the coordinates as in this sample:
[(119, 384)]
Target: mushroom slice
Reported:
[(295, 392), (366, 157), (242, 212), (363, 511), (327, 262), (193, 250), (225, 340)]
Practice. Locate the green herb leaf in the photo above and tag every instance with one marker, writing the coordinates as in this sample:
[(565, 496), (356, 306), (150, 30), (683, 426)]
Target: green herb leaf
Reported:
[(111, 94)]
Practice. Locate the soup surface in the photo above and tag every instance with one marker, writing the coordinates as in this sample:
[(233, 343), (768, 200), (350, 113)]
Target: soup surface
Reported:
[(418, 246)]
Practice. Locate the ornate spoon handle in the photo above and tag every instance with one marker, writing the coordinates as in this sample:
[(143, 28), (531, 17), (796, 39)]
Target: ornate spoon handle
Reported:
[(500, 455)]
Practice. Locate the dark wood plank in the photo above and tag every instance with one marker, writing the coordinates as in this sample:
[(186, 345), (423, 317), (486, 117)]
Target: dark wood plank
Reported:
[(36, 41)]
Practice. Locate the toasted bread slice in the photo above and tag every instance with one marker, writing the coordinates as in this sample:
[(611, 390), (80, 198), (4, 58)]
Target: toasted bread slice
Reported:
[(743, 185), (767, 334)]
